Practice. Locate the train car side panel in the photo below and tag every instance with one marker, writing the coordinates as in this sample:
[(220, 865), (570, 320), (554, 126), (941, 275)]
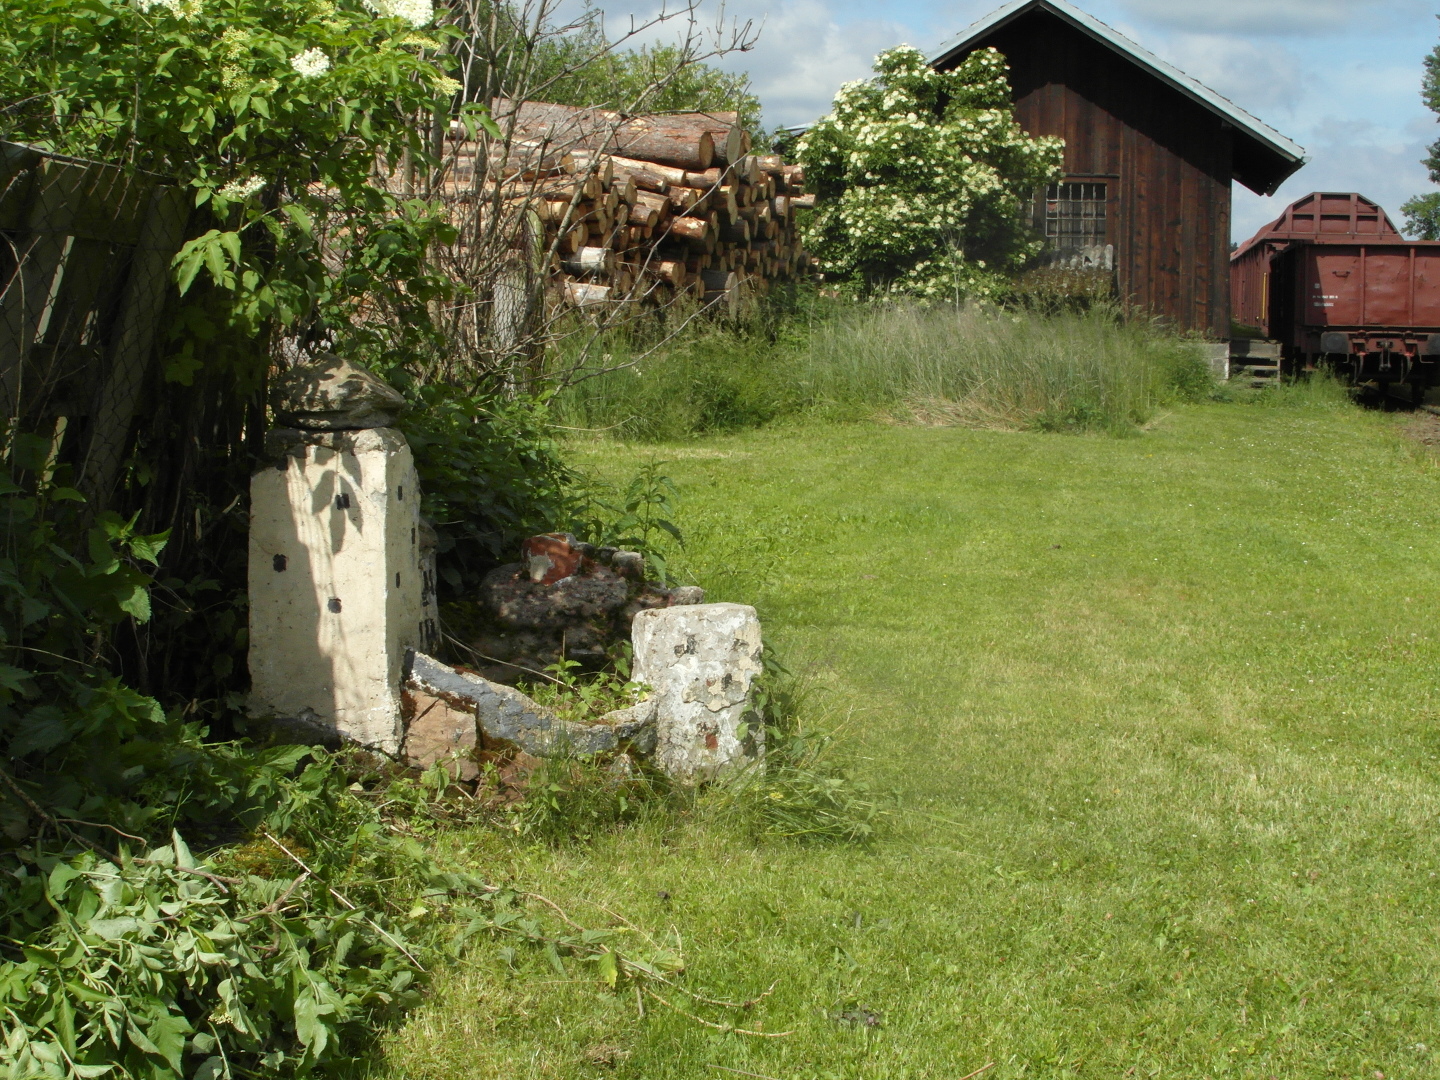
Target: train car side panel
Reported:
[(1427, 287), (1385, 291)]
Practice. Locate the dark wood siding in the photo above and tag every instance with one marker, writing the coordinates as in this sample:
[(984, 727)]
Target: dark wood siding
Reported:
[(1167, 158)]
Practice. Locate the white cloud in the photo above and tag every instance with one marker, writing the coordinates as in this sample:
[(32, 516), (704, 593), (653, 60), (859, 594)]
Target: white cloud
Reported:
[(1262, 78), (1347, 155), (804, 55)]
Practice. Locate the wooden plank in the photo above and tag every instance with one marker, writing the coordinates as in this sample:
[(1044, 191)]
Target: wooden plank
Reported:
[(132, 348)]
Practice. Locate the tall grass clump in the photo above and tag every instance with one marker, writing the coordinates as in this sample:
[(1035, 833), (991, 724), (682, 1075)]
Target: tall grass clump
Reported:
[(972, 365), (1070, 370)]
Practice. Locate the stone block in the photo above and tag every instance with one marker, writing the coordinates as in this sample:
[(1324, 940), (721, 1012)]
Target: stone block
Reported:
[(700, 661), (335, 581), (436, 730), (1217, 358)]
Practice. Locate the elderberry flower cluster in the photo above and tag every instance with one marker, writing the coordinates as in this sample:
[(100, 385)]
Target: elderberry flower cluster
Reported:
[(310, 63), (181, 9), (924, 178), (240, 190), (415, 12)]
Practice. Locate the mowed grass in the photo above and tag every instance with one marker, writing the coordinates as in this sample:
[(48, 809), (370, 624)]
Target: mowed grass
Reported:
[(1161, 719)]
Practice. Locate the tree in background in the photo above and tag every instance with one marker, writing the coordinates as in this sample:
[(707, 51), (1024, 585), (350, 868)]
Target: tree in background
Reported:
[(1422, 213), (922, 178), (659, 78)]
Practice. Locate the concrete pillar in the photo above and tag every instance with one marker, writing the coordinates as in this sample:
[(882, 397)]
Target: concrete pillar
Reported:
[(699, 662), (336, 581)]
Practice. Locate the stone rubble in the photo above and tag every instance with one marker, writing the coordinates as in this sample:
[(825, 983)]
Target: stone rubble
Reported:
[(564, 599), (332, 394)]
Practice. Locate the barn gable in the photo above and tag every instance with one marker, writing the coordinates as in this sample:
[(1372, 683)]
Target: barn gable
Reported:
[(1150, 154)]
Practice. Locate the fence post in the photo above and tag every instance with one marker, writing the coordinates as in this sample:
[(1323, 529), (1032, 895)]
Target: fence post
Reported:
[(133, 342)]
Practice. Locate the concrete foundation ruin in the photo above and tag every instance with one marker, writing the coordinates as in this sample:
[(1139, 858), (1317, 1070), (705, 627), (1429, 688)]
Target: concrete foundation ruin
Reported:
[(343, 613)]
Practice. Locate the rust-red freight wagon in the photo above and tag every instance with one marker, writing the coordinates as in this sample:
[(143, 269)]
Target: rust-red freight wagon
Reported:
[(1332, 281)]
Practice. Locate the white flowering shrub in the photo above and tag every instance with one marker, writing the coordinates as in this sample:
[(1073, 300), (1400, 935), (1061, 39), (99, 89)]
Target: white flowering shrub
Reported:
[(924, 179)]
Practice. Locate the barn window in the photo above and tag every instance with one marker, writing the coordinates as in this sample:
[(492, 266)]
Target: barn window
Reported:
[(1074, 215)]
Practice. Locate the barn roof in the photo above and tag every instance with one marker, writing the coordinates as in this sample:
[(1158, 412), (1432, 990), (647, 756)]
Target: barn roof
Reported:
[(1276, 157)]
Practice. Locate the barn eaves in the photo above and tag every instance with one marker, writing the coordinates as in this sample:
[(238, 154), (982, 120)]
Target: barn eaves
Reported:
[(1263, 158)]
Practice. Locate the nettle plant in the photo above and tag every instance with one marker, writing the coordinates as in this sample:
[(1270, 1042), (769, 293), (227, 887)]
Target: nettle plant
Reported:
[(923, 178), (277, 114)]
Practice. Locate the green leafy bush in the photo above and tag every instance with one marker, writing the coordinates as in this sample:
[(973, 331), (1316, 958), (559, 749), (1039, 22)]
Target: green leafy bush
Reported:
[(923, 179), (491, 474)]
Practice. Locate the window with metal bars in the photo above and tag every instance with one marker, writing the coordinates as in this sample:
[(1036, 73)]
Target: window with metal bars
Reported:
[(1073, 215)]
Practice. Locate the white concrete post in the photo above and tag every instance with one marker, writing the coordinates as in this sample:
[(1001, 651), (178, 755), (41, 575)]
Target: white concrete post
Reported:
[(699, 661), (335, 581)]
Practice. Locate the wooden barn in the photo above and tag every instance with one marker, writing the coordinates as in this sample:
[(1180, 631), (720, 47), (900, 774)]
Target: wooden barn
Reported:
[(1150, 154)]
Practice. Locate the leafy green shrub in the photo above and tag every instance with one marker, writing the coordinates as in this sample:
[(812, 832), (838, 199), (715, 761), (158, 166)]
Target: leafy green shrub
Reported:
[(636, 517), (924, 177), (491, 474), (572, 799)]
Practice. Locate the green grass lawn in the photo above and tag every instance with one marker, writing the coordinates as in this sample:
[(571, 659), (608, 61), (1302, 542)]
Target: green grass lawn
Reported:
[(1160, 716)]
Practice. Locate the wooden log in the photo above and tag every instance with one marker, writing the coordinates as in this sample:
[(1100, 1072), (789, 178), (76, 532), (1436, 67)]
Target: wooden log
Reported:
[(802, 202), (722, 291), (592, 163), (665, 140), (552, 211), (690, 228), (795, 177), (586, 294), (624, 188), (658, 204), (684, 142), (575, 238), (590, 260), (737, 232), (557, 125), (770, 164), (667, 173), (780, 206), (728, 137), (747, 170), (644, 215), (707, 179), (671, 270), (683, 198)]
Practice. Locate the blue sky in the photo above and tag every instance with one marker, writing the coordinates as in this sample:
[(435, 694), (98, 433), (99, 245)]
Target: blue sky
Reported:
[(1340, 77)]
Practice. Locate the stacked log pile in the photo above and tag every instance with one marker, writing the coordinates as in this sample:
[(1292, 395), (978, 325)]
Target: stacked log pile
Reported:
[(646, 209)]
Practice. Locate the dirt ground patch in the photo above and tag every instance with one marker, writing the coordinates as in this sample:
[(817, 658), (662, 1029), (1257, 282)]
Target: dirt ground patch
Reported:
[(1424, 427)]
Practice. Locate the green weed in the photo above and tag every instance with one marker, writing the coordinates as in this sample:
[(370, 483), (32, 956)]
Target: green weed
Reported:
[(572, 800)]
